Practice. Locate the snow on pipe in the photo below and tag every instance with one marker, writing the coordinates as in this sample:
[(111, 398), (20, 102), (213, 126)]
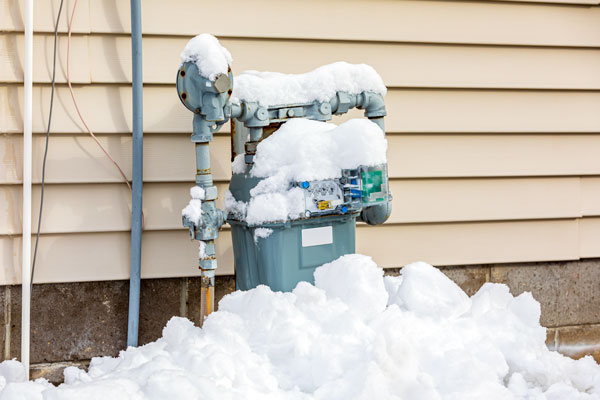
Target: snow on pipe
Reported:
[(137, 167), (27, 149)]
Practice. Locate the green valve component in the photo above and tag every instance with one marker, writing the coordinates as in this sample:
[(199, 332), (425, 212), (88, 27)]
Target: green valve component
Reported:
[(291, 250), (374, 185)]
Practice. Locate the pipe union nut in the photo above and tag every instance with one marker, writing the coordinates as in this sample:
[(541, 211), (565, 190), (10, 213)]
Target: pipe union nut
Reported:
[(210, 193), (208, 264)]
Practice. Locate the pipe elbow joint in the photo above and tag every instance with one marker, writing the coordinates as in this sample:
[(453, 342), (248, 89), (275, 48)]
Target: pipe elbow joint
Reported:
[(373, 104), (377, 214)]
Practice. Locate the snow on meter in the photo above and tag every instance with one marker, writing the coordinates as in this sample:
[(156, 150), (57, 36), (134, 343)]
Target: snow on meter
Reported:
[(299, 183)]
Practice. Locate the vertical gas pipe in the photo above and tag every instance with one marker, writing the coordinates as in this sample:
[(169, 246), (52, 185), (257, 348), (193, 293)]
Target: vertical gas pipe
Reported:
[(27, 138), (208, 100), (137, 174), (207, 261)]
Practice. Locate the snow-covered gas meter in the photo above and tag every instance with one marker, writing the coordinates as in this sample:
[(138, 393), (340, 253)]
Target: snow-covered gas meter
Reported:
[(299, 183)]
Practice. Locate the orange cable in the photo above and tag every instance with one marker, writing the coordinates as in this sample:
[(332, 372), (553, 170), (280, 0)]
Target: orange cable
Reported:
[(70, 22)]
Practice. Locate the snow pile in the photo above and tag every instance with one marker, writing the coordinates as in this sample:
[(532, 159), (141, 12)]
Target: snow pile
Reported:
[(320, 151), (321, 84), (354, 335), (193, 211), (209, 56)]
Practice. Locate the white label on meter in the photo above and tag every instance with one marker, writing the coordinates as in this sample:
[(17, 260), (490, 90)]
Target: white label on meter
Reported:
[(317, 236)]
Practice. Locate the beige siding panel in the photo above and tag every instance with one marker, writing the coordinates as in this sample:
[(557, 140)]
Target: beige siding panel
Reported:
[(107, 110), (78, 159), (494, 155), (590, 196), (400, 65), (84, 256), (10, 111), (492, 111), (106, 207), (11, 58), (484, 199), (105, 256), (168, 158), (429, 66), (405, 21), (471, 243), (589, 231), (12, 15), (97, 208), (582, 2), (446, 21)]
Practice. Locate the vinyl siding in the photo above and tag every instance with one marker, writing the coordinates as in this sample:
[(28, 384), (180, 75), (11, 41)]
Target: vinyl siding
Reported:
[(493, 127)]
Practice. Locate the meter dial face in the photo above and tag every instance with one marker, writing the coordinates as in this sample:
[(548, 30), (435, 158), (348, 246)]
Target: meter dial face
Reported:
[(323, 196)]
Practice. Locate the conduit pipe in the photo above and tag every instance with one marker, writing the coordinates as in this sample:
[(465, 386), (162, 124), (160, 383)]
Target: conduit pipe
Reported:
[(137, 174), (26, 248)]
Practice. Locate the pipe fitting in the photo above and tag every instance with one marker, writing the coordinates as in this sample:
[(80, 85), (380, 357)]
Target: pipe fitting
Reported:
[(377, 214), (373, 104)]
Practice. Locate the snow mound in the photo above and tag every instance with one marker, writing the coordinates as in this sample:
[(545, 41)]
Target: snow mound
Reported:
[(209, 56), (353, 335), (321, 150), (321, 84)]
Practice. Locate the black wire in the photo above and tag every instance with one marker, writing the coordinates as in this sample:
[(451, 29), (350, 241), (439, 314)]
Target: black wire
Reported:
[(37, 236)]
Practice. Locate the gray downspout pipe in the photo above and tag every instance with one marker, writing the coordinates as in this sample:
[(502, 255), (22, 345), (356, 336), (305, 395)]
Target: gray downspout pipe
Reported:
[(137, 174)]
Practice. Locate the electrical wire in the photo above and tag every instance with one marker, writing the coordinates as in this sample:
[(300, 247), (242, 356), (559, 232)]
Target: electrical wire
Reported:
[(125, 179), (77, 107), (37, 235)]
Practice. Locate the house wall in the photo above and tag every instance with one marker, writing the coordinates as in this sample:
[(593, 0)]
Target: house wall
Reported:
[(493, 129)]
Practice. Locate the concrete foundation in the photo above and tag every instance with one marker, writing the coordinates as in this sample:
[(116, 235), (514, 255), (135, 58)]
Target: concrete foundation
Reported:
[(73, 322)]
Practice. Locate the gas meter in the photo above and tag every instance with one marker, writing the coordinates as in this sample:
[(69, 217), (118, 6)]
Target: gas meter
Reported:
[(282, 253)]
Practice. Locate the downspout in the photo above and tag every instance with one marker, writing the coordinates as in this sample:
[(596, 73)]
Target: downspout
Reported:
[(137, 174), (27, 149)]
